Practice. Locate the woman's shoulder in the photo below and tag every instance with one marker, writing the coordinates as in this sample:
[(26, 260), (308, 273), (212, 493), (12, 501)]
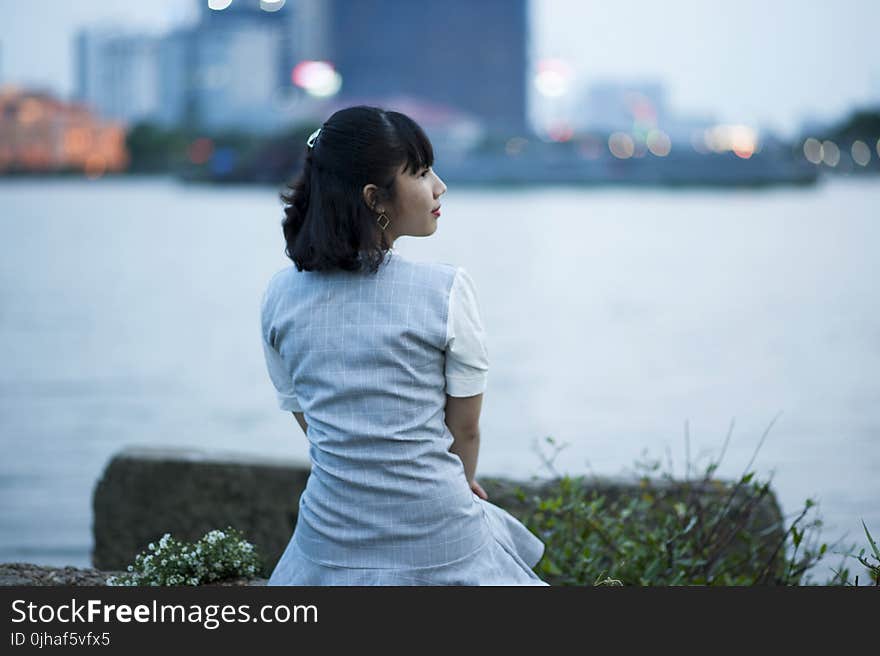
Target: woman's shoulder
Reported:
[(279, 280), (282, 277), (442, 273)]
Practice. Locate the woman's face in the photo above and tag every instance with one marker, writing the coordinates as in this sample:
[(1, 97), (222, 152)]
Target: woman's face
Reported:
[(418, 195)]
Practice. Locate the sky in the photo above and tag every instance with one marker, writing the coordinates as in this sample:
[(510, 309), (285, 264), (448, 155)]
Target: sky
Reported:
[(768, 63)]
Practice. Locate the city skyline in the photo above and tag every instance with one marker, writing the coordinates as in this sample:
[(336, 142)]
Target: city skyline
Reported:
[(729, 81)]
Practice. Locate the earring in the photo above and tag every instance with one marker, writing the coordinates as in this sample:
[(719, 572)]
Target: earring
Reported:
[(379, 221)]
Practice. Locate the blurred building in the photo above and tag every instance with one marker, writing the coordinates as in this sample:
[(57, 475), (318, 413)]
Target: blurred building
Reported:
[(239, 67), (229, 71), (240, 62), (272, 17), (309, 29), (177, 74), (468, 55), (39, 133), (117, 74), (235, 78)]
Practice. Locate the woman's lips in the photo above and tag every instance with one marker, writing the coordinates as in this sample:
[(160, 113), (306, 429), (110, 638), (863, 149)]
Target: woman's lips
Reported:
[(436, 212)]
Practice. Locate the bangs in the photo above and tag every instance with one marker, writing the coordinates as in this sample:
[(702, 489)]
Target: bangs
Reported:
[(414, 142)]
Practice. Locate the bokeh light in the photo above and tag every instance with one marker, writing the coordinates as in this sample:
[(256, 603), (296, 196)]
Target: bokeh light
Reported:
[(861, 154), (641, 108), (553, 78), (219, 5), (621, 145), (271, 5), (223, 161), (740, 139), (743, 141), (813, 151), (659, 143), (830, 153), (560, 131), (200, 150), (317, 78)]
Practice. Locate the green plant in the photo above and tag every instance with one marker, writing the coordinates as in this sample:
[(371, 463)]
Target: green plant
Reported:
[(668, 532), (873, 570), (217, 556)]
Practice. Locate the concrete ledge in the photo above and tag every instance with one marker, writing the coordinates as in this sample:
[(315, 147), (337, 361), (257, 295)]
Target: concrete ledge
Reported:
[(144, 493)]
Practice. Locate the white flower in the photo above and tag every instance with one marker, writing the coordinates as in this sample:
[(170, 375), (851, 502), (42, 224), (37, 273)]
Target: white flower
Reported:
[(152, 546)]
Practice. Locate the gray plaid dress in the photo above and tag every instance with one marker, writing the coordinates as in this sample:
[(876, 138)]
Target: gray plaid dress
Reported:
[(386, 503)]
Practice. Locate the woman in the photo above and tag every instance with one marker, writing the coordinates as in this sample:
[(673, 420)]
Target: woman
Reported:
[(383, 363)]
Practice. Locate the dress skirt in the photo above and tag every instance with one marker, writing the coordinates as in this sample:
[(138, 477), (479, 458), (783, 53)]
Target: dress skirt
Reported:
[(506, 559)]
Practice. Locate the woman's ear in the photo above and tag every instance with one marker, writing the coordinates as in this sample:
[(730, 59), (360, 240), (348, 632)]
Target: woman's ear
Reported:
[(369, 194)]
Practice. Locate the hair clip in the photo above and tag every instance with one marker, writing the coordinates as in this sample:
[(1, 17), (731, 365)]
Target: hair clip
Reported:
[(312, 137)]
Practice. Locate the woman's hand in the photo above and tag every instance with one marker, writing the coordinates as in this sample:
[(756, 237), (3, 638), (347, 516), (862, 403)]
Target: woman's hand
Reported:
[(478, 489)]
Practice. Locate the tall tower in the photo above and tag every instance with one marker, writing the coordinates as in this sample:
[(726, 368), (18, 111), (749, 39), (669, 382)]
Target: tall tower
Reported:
[(467, 55)]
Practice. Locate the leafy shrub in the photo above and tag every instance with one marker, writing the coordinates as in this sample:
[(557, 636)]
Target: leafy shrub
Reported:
[(673, 533)]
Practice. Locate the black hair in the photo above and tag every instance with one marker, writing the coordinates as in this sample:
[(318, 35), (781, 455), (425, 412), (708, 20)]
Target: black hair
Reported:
[(328, 224)]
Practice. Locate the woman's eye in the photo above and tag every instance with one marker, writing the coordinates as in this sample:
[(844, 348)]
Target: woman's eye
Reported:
[(425, 172)]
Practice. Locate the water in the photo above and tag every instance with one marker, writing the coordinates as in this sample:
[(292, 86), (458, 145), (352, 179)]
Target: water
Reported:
[(130, 316)]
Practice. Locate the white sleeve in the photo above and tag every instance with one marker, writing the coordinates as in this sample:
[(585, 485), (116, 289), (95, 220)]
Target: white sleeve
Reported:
[(467, 357)]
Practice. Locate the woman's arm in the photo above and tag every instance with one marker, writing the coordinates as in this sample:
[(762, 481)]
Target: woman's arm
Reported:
[(301, 420), (467, 363), (463, 421)]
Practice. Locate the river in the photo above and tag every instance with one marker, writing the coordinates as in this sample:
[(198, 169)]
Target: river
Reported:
[(615, 317)]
